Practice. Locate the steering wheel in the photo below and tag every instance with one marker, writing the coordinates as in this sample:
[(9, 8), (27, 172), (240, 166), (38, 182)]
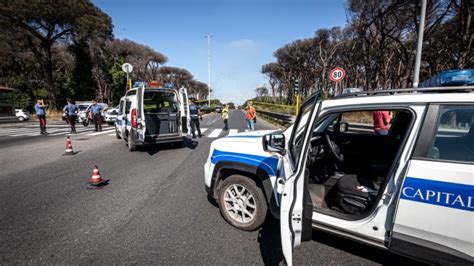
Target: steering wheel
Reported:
[(336, 152)]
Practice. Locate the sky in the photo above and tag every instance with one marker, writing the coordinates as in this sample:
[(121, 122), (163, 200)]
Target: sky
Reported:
[(245, 33)]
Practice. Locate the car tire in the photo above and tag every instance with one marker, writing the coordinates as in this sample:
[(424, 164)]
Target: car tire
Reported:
[(117, 135), (246, 211), (21, 118), (131, 143)]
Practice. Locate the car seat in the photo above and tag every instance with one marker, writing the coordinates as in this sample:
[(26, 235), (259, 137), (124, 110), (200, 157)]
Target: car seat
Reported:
[(355, 194)]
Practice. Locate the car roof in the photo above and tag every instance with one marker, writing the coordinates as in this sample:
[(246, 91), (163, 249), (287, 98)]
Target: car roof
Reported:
[(415, 98)]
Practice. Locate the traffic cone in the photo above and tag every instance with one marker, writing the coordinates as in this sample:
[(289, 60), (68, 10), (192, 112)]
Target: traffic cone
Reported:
[(69, 150), (96, 181)]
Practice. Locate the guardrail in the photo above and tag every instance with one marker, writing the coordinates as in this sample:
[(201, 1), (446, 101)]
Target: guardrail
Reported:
[(283, 119)]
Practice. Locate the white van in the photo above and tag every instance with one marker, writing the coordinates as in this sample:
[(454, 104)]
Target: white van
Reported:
[(151, 115), (409, 189)]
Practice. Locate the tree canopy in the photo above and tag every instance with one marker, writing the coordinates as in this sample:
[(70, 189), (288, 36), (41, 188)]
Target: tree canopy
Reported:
[(376, 48), (58, 49)]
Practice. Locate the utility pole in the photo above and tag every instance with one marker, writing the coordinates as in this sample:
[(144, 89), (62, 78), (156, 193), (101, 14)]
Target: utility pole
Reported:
[(419, 46), (209, 36)]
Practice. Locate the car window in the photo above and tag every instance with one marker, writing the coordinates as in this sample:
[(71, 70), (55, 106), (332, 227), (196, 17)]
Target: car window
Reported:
[(120, 107), (128, 105), (301, 123), (454, 137), (159, 102), (378, 122)]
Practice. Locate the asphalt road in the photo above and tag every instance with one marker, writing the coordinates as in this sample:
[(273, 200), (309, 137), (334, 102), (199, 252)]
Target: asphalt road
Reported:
[(154, 210)]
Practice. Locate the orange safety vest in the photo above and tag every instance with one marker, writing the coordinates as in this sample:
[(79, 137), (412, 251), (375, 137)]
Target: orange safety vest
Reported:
[(251, 113)]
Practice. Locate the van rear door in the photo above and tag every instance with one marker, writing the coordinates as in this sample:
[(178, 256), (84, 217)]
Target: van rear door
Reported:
[(141, 123), (184, 110)]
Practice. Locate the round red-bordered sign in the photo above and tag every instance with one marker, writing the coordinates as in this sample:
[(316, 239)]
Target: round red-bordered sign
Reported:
[(337, 74)]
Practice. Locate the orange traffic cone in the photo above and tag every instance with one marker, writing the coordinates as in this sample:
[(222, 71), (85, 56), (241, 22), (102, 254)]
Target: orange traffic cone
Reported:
[(69, 150), (96, 181)]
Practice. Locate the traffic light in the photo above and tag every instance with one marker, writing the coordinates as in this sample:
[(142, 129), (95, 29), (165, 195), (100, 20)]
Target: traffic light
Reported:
[(296, 85)]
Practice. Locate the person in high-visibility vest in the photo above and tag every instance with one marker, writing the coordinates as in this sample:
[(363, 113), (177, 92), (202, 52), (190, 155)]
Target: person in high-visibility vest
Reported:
[(225, 116)]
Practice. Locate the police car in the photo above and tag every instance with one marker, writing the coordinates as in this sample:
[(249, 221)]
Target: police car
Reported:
[(410, 191), (152, 114)]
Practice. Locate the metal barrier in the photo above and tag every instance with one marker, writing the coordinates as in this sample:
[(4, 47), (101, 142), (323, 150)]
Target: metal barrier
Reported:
[(283, 118)]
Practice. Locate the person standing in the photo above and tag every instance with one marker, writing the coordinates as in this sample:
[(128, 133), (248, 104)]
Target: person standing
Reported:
[(41, 113), (250, 116), (196, 114), (96, 115), (225, 116), (382, 120), (71, 110)]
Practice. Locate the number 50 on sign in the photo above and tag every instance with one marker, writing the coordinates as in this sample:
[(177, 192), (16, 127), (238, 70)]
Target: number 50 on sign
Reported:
[(337, 74)]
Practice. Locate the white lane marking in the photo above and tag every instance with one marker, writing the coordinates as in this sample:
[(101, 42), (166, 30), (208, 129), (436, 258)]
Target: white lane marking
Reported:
[(233, 132), (25, 134), (113, 134), (99, 133), (215, 133), (18, 131), (204, 129)]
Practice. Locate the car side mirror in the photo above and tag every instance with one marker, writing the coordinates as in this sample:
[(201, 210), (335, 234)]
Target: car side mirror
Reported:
[(274, 142), (343, 127)]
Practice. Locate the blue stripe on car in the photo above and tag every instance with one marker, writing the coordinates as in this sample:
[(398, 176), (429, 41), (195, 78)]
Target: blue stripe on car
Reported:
[(446, 194), (268, 164)]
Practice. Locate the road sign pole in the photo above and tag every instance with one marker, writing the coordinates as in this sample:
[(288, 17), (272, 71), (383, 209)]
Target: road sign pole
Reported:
[(127, 86)]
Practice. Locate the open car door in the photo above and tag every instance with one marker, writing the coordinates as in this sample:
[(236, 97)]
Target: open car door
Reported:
[(184, 110), (141, 128), (296, 206)]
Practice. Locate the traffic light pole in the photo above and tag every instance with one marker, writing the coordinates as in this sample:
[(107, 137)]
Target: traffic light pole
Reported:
[(297, 103)]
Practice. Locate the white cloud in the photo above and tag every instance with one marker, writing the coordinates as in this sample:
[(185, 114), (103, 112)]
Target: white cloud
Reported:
[(243, 44)]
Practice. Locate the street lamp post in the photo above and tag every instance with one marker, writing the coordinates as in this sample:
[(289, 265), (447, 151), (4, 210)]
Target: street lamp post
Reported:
[(419, 46), (209, 36)]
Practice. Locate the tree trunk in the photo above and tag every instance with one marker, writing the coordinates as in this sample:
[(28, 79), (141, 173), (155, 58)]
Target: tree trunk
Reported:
[(48, 75)]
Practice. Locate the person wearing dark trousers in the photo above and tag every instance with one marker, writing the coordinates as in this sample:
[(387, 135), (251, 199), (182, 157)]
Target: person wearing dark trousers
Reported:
[(41, 113), (96, 115), (225, 116), (71, 110), (196, 114)]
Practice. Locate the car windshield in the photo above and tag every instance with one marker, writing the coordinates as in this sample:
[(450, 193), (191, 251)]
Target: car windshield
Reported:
[(82, 107)]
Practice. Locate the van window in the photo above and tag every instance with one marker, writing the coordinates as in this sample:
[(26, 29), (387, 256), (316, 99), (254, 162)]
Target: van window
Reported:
[(454, 138), (120, 108), (128, 105), (159, 102)]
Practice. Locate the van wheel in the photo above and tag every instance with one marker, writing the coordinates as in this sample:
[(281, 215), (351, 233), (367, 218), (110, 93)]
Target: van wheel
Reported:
[(117, 135), (131, 145), (242, 202)]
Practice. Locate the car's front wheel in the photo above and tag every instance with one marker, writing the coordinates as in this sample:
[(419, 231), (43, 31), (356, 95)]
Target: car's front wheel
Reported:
[(242, 202), (21, 118)]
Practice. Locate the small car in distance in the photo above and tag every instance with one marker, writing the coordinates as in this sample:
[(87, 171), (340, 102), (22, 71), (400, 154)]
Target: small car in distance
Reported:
[(22, 115), (110, 115), (218, 109)]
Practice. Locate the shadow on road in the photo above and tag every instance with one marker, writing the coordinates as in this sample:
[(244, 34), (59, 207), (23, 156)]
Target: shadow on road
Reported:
[(270, 242), (154, 149), (361, 250), (272, 254)]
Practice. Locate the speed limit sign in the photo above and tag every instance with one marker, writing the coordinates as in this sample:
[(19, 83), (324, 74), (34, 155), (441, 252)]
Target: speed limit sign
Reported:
[(337, 74)]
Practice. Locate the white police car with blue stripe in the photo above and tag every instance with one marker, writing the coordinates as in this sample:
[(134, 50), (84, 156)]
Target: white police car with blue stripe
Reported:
[(393, 169)]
